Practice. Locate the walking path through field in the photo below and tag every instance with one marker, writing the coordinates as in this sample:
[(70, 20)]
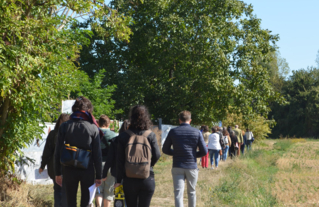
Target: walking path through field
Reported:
[(164, 191)]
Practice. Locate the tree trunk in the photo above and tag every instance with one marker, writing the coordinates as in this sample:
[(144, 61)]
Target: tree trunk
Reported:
[(4, 113)]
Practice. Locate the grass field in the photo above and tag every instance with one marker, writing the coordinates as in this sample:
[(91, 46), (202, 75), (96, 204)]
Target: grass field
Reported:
[(275, 173)]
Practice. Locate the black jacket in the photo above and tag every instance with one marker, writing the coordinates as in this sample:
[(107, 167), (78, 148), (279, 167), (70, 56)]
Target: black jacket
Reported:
[(48, 153), (122, 142), (234, 140), (111, 158), (84, 135)]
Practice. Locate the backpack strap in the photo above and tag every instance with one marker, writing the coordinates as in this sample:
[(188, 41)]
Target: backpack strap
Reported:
[(129, 132), (146, 133)]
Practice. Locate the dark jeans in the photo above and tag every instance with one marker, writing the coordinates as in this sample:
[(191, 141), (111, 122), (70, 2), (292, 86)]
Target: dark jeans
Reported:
[(139, 192), (242, 148), (233, 152), (71, 179), (59, 196)]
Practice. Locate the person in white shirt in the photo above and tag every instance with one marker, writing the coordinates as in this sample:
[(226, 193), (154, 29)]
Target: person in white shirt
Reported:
[(249, 136), (214, 147)]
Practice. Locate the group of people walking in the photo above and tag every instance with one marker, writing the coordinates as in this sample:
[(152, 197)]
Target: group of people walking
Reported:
[(82, 150), (222, 141)]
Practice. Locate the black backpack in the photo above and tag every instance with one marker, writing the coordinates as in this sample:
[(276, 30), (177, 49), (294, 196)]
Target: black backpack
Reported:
[(221, 140)]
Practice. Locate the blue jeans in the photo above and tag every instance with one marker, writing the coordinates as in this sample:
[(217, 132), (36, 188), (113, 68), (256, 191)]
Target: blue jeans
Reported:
[(225, 152), (214, 153), (248, 144)]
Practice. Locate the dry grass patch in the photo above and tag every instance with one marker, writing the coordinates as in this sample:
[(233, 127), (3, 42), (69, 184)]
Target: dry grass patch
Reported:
[(297, 182)]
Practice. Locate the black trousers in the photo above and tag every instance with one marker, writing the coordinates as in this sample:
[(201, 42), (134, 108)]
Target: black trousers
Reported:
[(71, 179), (139, 192)]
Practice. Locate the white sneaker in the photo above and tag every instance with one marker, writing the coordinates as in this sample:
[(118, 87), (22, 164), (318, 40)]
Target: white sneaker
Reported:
[(212, 168)]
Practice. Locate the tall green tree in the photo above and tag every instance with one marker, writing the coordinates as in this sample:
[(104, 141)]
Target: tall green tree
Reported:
[(299, 118), (278, 70), (201, 56), (98, 93), (38, 52)]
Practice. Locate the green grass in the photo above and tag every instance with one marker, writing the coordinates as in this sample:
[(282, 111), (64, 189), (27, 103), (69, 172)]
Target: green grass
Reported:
[(248, 181)]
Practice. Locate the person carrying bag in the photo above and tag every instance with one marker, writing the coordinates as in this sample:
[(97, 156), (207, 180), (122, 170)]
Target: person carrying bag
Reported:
[(78, 151)]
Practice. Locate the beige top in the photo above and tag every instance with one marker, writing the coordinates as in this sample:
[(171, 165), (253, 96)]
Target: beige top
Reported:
[(206, 135)]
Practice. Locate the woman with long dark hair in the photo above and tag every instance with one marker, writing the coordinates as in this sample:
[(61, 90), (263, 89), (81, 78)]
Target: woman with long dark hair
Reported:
[(48, 159), (138, 191), (82, 135)]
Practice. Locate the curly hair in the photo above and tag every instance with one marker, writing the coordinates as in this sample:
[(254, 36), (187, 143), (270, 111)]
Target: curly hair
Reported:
[(82, 104), (140, 118)]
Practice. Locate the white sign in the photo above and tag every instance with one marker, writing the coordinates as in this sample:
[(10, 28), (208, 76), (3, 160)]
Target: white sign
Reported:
[(67, 106), (165, 130), (30, 171)]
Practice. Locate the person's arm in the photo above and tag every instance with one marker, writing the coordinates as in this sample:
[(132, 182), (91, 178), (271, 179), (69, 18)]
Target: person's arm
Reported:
[(57, 154), (167, 146), (97, 155), (109, 159), (202, 146), (156, 154), (229, 140), (120, 157), (48, 151)]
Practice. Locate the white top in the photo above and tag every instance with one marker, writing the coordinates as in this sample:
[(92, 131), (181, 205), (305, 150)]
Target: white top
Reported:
[(213, 142), (249, 135)]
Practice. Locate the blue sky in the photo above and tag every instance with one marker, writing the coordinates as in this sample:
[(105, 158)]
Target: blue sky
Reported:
[(297, 24)]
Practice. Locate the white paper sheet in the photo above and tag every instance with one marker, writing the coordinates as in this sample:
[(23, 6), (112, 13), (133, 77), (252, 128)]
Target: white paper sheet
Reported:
[(92, 190)]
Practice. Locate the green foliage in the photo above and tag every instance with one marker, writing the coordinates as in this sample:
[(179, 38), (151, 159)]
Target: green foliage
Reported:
[(188, 55), (38, 52), (99, 94), (299, 118), (278, 70), (259, 125)]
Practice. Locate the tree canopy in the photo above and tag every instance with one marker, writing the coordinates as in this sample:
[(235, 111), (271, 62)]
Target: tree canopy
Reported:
[(202, 56), (38, 51), (299, 117)]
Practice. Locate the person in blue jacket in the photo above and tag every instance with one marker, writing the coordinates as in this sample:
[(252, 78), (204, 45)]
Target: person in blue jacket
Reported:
[(185, 141)]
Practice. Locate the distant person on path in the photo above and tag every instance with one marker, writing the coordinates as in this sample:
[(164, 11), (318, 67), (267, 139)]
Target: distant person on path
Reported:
[(242, 149), (48, 159), (229, 129), (206, 134), (214, 147), (138, 191), (80, 132), (234, 145), (239, 135), (110, 163), (105, 192), (249, 136), (185, 141), (227, 142)]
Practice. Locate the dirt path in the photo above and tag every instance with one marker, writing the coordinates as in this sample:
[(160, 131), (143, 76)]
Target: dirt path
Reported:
[(164, 192)]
